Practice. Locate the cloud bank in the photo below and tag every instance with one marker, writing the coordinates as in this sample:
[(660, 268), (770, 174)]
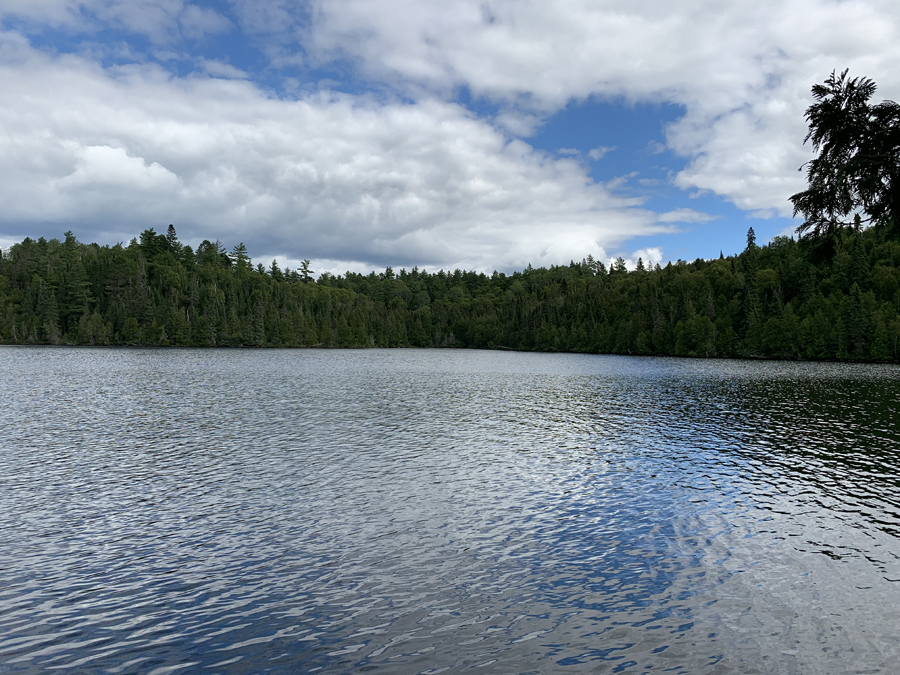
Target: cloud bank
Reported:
[(328, 176), (406, 175)]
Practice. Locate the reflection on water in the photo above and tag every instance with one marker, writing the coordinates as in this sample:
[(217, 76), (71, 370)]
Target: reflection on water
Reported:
[(419, 511)]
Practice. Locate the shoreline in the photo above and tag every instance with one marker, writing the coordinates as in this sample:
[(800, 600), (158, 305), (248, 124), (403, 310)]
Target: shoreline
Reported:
[(798, 359)]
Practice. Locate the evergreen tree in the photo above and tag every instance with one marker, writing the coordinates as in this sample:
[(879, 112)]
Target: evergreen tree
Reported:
[(857, 168), (305, 272), (241, 259), (172, 239)]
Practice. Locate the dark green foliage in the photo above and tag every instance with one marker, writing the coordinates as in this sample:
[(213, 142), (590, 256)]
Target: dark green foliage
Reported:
[(773, 301), (857, 170)]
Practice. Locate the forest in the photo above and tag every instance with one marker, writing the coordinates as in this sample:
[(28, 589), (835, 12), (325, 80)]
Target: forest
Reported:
[(773, 301), (832, 293)]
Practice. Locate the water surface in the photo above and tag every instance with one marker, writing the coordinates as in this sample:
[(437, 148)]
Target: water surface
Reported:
[(420, 511)]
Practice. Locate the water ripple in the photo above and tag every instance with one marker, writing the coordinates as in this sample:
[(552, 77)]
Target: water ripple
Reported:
[(166, 511)]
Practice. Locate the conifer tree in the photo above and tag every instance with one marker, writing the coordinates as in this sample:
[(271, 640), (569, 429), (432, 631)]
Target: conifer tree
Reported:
[(857, 167)]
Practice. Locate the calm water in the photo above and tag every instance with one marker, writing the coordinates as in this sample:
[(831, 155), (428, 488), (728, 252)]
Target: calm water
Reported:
[(424, 511)]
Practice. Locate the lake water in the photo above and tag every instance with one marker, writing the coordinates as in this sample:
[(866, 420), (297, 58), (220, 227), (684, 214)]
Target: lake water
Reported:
[(416, 511)]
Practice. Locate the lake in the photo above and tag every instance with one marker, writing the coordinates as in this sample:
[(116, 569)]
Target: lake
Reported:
[(425, 511)]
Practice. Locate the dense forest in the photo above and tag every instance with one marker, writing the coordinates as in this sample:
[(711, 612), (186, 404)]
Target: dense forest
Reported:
[(781, 300)]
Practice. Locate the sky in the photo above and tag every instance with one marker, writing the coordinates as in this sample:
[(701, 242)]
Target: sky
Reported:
[(473, 134)]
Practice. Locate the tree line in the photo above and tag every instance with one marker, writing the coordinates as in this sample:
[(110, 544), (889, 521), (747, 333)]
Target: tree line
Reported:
[(778, 300)]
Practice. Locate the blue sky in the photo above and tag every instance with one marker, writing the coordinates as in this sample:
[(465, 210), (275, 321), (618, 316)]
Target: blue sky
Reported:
[(365, 133)]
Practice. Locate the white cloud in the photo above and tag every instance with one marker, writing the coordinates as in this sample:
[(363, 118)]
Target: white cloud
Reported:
[(197, 22), (162, 21), (600, 152), (620, 182), (268, 17), (53, 12), (325, 177), (157, 19), (518, 123), (648, 256), (221, 69), (741, 69), (685, 216), (102, 167)]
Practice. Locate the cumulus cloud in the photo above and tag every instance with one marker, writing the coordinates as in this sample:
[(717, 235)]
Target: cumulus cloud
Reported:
[(648, 256), (110, 152), (422, 180), (741, 69), (103, 167)]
